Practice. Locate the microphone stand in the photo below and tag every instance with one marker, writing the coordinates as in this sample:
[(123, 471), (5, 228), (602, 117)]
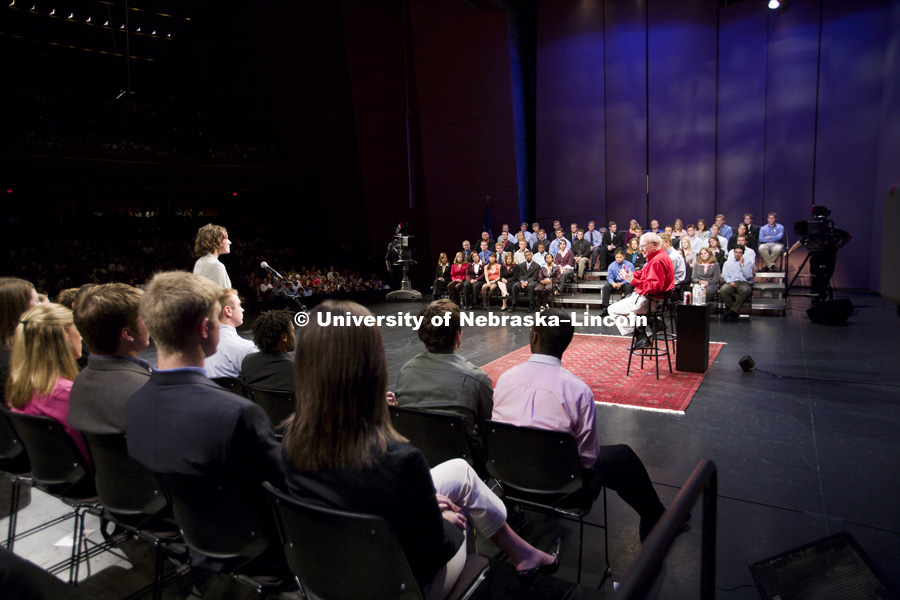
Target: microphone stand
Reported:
[(292, 295)]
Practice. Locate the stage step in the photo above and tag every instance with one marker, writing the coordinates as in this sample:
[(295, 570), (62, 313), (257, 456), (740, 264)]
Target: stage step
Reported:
[(579, 299)]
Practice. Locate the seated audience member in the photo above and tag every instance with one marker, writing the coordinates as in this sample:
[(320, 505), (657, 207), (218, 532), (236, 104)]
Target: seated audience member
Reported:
[(702, 231), (572, 235), (738, 277), (180, 422), (486, 237), (595, 239), (717, 250), (539, 254), (752, 228), (554, 245), (361, 463), (441, 276), (565, 260), (695, 240), (634, 231), (500, 252), (615, 279), (519, 256), (272, 368), (491, 280), (67, 298), (707, 272), (508, 245), (526, 279), (232, 349), (211, 242), (650, 284), (714, 233), (16, 297), (771, 242), (42, 366), (535, 228), (508, 272), (654, 227), (581, 251), (724, 230), (749, 254), (541, 393), (678, 264), (523, 229), (687, 252), (485, 252), (439, 379), (467, 250), (541, 239), (633, 254), (677, 232), (457, 277), (611, 239), (750, 241), (474, 281), (548, 282), (108, 316)]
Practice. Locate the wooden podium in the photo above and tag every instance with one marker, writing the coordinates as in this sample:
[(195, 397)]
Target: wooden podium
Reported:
[(692, 349)]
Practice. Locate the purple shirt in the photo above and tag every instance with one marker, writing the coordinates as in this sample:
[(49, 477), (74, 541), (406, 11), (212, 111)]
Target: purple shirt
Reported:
[(541, 393)]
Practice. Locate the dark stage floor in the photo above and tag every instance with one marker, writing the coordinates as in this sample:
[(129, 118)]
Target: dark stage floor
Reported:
[(798, 459)]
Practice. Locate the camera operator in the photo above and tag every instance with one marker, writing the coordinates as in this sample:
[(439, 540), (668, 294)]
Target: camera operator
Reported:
[(822, 241)]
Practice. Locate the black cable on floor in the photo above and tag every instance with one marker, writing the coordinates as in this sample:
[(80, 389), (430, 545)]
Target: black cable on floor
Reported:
[(827, 380)]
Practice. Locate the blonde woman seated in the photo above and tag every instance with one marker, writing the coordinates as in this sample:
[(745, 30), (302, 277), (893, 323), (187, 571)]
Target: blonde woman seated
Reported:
[(707, 272), (341, 449), (42, 366), (687, 251)]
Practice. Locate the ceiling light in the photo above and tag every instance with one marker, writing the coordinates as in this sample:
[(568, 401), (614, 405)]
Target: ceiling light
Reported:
[(773, 4)]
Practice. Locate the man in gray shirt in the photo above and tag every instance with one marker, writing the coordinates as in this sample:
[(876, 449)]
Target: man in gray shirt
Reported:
[(439, 379)]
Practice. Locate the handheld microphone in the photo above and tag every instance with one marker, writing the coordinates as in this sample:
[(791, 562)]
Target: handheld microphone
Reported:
[(266, 266)]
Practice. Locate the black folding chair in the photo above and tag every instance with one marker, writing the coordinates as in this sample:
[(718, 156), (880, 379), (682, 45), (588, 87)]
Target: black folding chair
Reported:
[(278, 404), (58, 469), (132, 498), (541, 470), (440, 436), (218, 522), (365, 547), (233, 385), (14, 465)]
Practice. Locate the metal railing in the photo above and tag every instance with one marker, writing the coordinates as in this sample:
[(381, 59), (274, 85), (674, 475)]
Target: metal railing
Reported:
[(641, 574)]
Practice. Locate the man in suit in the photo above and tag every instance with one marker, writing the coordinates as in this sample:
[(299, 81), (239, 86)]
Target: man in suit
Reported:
[(609, 241), (526, 278), (108, 317), (271, 368), (180, 422), (752, 227), (541, 239)]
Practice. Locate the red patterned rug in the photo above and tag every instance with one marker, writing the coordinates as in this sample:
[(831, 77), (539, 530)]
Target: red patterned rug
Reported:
[(600, 361)]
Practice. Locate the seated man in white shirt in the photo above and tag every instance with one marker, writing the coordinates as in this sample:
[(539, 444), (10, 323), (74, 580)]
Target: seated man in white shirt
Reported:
[(226, 362)]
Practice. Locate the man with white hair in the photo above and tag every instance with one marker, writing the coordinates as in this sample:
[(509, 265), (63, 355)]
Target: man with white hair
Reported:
[(650, 283)]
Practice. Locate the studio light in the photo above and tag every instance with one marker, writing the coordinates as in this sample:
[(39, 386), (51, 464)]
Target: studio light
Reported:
[(774, 4)]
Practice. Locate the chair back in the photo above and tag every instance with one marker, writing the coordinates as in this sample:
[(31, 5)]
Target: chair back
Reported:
[(13, 457), (537, 462), (338, 554), (126, 487), (440, 436), (214, 517), (278, 404), (56, 463), (233, 385)]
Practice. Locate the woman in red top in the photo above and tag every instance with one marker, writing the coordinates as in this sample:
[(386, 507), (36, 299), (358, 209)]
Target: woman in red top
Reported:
[(42, 366), (491, 279), (457, 277)]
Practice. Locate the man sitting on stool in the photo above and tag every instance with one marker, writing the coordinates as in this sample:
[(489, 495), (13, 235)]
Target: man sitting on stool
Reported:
[(655, 279), (738, 276)]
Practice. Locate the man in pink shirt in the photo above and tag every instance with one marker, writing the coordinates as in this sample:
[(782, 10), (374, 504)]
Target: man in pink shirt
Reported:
[(541, 393)]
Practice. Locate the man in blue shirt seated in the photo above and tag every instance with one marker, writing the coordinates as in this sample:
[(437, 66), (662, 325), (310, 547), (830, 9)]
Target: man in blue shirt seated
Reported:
[(614, 279), (771, 242), (738, 276)]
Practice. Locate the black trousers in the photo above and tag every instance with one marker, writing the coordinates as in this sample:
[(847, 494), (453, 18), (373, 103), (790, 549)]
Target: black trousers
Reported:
[(621, 470)]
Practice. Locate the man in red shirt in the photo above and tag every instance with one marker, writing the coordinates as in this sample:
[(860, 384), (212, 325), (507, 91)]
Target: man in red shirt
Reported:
[(650, 283)]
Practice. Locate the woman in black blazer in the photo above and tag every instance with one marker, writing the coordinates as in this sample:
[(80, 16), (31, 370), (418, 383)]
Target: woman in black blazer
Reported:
[(441, 276)]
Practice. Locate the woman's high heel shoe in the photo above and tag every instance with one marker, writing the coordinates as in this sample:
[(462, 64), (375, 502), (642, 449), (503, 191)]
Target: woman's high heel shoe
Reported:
[(527, 577)]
